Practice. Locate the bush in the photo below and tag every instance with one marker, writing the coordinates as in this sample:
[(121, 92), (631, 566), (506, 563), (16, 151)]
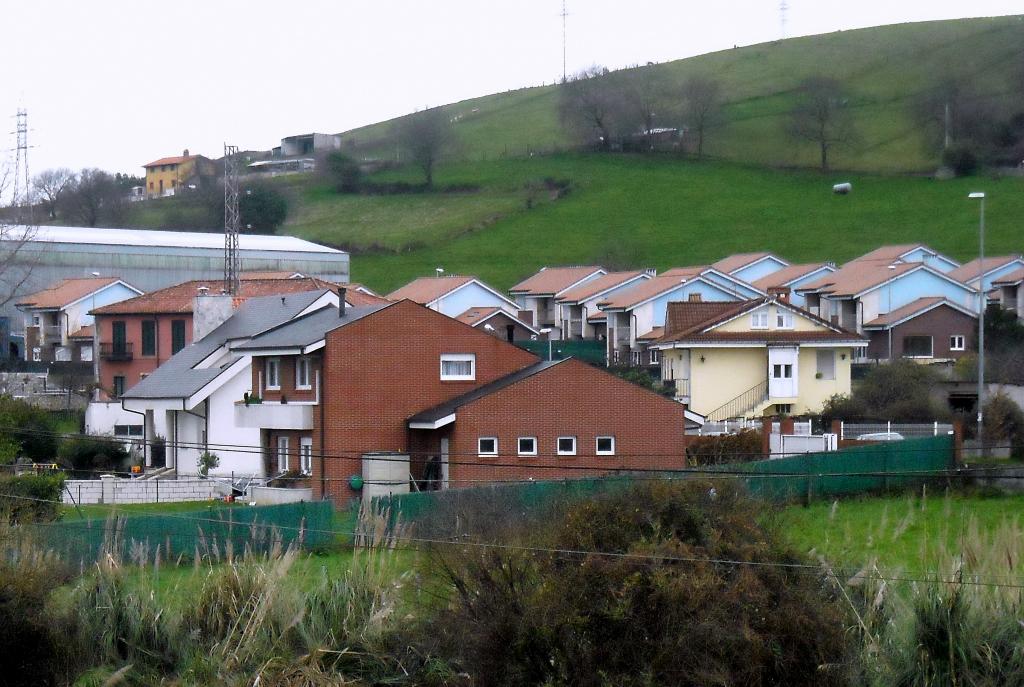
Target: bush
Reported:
[(30, 497), (207, 461), (158, 451), (262, 209), (645, 604), (900, 391), (343, 172), (1004, 423), (88, 454), (961, 158), (30, 428), (741, 447)]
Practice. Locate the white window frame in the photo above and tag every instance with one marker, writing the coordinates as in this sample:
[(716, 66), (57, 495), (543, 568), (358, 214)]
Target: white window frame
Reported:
[(597, 445), (306, 455), (759, 319), (282, 453), (635, 358), (37, 354), (558, 446), (957, 342), (461, 358), (784, 319), (655, 356), (303, 365), (273, 381), (519, 446), (480, 449), (818, 372)]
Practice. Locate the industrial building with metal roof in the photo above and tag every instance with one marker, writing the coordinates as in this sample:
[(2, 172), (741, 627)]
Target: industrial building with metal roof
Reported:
[(152, 259)]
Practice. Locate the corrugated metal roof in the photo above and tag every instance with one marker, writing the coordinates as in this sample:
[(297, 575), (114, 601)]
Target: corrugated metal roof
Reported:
[(171, 239)]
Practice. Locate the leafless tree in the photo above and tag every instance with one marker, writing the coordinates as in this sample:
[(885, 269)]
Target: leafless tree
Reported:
[(822, 115), (93, 195), (16, 263), (590, 104), (426, 136), (644, 95), (50, 186), (702, 107)]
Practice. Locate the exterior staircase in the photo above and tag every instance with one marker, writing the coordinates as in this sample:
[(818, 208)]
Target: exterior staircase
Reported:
[(743, 405)]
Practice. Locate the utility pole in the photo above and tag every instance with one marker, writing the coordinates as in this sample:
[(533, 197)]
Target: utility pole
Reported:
[(232, 220), (982, 303)]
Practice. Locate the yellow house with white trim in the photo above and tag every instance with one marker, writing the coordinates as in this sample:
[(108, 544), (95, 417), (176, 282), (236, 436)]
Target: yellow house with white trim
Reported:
[(757, 357), (169, 175)]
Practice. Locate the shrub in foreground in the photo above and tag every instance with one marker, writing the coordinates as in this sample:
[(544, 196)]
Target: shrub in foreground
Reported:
[(650, 599)]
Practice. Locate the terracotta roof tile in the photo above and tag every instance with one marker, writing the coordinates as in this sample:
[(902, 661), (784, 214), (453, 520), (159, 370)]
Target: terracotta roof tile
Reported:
[(178, 298), (553, 280), (85, 332), (969, 270), (857, 277), (596, 286), (428, 289), (732, 263), (643, 290), (177, 160), (1011, 278), (67, 291), (653, 335), (787, 274), (889, 254), (688, 321), (270, 274), (909, 310), (474, 315), (691, 271)]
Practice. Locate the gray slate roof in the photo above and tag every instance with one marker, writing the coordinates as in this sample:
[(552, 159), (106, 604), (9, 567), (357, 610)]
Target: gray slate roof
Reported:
[(448, 407), (307, 329), (179, 378)]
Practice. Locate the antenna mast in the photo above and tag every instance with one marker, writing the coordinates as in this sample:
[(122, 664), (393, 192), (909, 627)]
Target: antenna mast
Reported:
[(232, 220), (783, 9)]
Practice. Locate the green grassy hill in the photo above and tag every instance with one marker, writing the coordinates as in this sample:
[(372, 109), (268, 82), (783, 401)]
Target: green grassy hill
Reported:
[(661, 211), (884, 68)]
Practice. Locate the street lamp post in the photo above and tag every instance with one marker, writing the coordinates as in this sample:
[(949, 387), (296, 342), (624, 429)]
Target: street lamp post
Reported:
[(980, 196)]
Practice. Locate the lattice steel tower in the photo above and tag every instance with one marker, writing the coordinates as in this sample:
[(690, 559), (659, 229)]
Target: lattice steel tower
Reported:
[(232, 220), (21, 199)]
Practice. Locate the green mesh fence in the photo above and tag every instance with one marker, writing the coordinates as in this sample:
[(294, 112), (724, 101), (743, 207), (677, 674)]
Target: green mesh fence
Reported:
[(214, 534), (587, 351), (481, 510)]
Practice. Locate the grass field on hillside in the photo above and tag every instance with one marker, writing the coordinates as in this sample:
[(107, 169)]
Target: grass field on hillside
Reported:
[(627, 210), (885, 69)]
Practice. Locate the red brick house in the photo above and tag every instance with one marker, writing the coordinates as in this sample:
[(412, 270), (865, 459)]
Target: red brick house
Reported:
[(464, 405)]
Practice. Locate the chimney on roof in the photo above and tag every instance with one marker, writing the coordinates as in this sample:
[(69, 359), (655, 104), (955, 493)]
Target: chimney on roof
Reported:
[(185, 153), (779, 293), (209, 311), (342, 292), (695, 298)]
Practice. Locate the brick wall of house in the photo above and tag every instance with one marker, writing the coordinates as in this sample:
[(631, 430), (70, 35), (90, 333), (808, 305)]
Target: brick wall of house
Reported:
[(570, 399), (287, 378), (382, 369), (940, 323)]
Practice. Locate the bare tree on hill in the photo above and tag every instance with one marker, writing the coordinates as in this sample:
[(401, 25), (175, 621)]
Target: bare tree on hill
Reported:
[(590, 105), (702, 107), (643, 91), (94, 195), (50, 186), (426, 136), (822, 115), (16, 263)]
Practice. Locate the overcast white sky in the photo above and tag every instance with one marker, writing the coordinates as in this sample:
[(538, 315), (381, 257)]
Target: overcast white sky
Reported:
[(115, 84)]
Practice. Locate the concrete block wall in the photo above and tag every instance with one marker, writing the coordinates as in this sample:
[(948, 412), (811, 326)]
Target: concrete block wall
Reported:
[(116, 490)]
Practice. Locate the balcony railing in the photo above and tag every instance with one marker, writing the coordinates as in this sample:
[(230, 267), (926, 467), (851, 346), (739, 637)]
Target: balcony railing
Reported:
[(120, 351), (271, 415), (680, 386)]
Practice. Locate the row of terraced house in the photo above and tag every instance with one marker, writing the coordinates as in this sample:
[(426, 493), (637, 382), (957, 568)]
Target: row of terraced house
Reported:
[(296, 376)]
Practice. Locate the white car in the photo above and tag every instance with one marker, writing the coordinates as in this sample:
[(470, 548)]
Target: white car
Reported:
[(881, 436)]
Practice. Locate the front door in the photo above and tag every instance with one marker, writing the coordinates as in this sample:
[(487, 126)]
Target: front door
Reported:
[(444, 463), (782, 371)]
